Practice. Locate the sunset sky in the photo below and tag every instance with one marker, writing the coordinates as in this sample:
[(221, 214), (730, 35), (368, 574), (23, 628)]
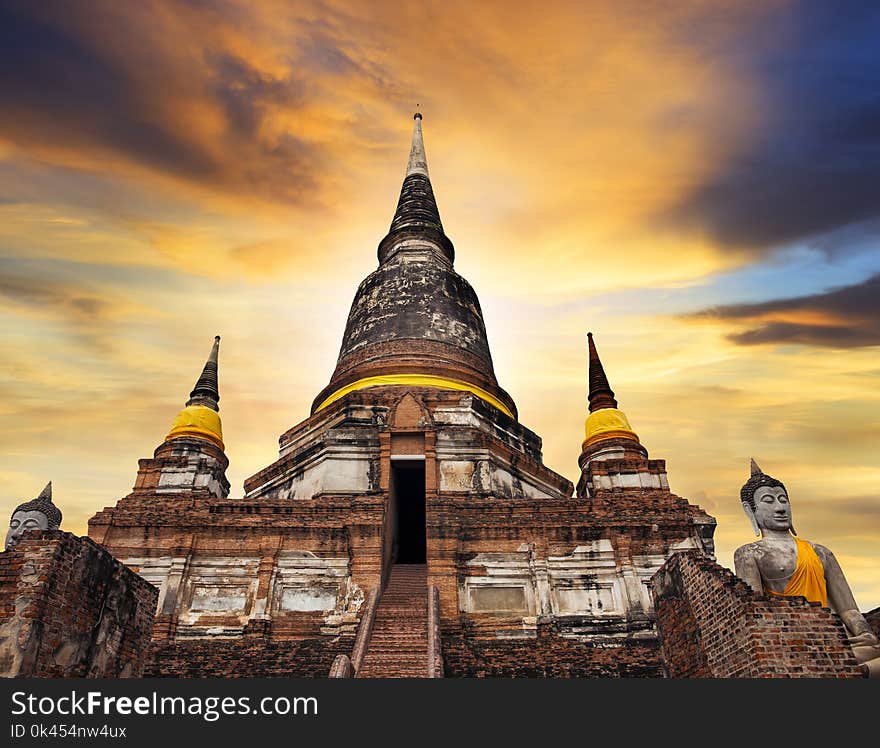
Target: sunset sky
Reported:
[(696, 182)]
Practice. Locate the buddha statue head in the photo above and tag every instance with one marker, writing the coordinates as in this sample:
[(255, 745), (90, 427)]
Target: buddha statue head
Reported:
[(765, 502), (38, 514)]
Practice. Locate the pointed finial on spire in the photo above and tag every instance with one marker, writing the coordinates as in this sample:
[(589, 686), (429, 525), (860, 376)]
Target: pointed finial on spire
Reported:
[(755, 469), (418, 163), (601, 395), (605, 421), (416, 216), (206, 391)]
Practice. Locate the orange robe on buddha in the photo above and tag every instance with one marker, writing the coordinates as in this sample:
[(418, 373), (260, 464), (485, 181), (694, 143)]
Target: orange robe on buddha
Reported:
[(808, 579)]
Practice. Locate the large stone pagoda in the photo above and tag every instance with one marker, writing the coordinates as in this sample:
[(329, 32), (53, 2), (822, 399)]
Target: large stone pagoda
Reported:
[(409, 526)]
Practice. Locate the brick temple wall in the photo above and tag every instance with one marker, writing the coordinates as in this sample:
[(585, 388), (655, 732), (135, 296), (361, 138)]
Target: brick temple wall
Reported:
[(531, 580), (570, 575), (548, 655), (712, 625), (245, 657), (69, 609)]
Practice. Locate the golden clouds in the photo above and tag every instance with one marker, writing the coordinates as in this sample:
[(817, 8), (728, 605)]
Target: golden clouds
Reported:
[(173, 170), (706, 405), (593, 125)]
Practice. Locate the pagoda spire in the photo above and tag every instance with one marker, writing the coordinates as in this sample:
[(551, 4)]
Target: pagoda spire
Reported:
[(416, 221), (418, 162), (605, 421), (206, 392), (414, 321), (200, 417), (601, 395)]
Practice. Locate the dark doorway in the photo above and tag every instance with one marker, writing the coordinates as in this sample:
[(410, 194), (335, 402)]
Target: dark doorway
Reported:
[(408, 500)]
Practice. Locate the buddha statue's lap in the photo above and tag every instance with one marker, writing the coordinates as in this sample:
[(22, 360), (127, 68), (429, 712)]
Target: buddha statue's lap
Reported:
[(785, 565)]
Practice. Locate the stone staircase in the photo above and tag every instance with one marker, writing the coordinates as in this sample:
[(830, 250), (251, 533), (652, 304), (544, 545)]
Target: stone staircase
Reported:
[(399, 644)]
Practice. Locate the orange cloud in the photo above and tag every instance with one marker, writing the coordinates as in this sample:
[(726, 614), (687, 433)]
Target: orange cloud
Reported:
[(174, 170)]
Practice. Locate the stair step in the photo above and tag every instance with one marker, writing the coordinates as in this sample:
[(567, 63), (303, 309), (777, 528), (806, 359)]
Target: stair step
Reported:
[(398, 646)]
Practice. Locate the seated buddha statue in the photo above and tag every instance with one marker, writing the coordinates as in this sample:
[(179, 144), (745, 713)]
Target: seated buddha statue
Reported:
[(783, 564), (38, 514)]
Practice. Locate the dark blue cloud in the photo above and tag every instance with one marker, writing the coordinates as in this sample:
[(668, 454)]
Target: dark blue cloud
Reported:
[(61, 87), (853, 315), (246, 93), (815, 167), (55, 88)]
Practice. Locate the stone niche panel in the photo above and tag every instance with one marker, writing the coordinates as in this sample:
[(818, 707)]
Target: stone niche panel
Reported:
[(305, 583), (219, 598), (348, 473), (601, 599), (308, 599), (457, 475), (499, 583), (217, 595), (587, 582), (497, 599)]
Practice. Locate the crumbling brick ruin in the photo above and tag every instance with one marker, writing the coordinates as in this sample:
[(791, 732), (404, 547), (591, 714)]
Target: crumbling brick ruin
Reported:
[(69, 609), (712, 625)]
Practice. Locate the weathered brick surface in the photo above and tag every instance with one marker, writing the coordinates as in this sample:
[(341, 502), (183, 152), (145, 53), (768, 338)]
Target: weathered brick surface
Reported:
[(69, 609), (247, 657), (711, 624), (638, 522), (549, 655), (485, 516)]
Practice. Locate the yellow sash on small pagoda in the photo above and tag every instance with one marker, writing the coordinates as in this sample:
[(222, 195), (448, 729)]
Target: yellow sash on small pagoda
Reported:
[(808, 579)]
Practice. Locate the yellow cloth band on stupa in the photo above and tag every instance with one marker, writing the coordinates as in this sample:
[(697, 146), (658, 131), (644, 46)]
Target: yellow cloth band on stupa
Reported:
[(607, 423), (808, 579), (198, 421), (417, 380)]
